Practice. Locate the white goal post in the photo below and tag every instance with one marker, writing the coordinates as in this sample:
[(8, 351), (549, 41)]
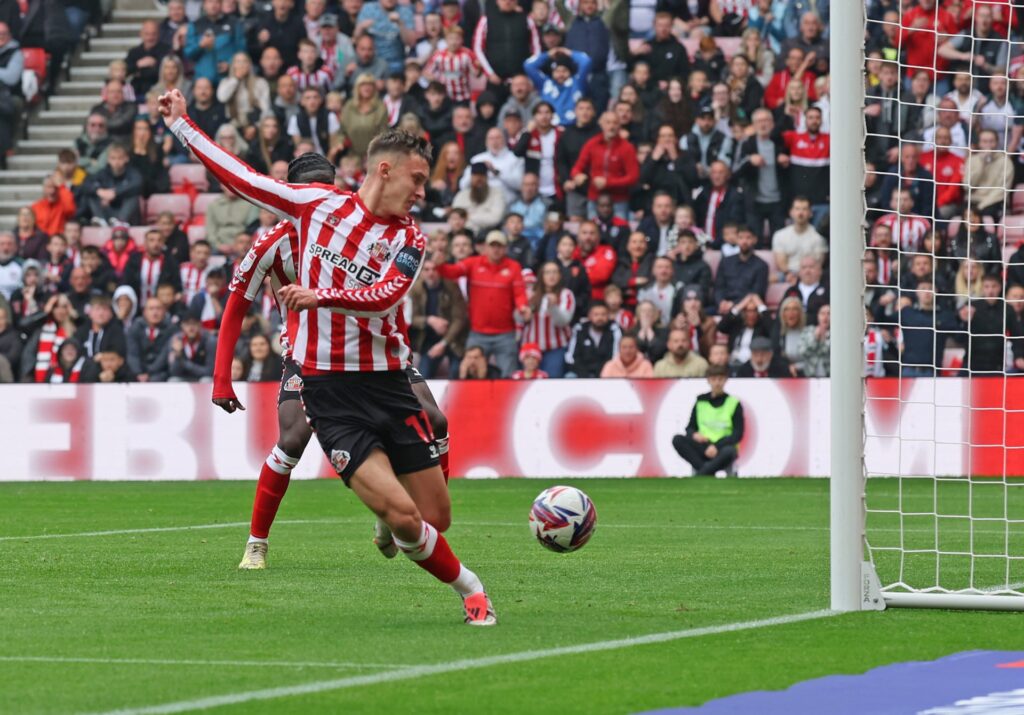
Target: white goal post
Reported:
[(883, 552)]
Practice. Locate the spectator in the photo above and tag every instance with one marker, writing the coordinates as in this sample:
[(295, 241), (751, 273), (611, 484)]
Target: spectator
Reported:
[(496, 286), (588, 34), (101, 334), (106, 367), (530, 357), (796, 241), (650, 334), (27, 301), (226, 217), (364, 115), (964, 98), (999, 115), (208, 304), (147, 158), (530, 206), (809, 163), (659, 226), (574, 273), (29, 237), (313, 123), (93, 143), (191, 352), (112, 194), (175, 240), (662, 290), (119, 114), (213, 39), (10, 346), (763, 361), (680, 360), (504, 40), (904, 226), (567, 82), (538, 146), (607, 162), (505, 169), (194, 271), (989, 175), (704, 328), (664, 53), (144, 59), (174, 27), (552, 307), (55, 208), (336, 50), (740, 274), (204, 110), (245, 96), (910, 176), (745, 92), (988, 321), (439, 322), (392, 27), (810, 287), (433, 39), (12, 63), (10, 266), (816, 345), (598, 260), (171, 76), (310, 71), (882, 110), (787, 331), (474, 365), (519, 248), (614, 230), (715, 429), (148, 343), (922, 25), (568, 148), (924, 328), (763, 159), (689, 267), (669, 170), (77, 284), (633, 271), (948, 170), (522, 98), (261, 364), (147, 269), (745, 321), (719, 204), (270, 145), (616, 311), (594, 342), (484, 205), (125, 304), (629, 362), (366, 61), (48, 331), (453, 66)]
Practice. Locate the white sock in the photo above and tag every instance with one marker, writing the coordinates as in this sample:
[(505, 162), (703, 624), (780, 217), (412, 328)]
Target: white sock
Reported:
[(257, 540), (423, 547), (467, 583), (281, 462)]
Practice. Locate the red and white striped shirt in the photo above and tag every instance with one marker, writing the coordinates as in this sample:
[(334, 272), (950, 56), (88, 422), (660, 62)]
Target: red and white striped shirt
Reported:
[(909, 230), (319, 78), (192, 280), (550, 326), (149, 277), (453, 70), (360, 265), (273, 256)]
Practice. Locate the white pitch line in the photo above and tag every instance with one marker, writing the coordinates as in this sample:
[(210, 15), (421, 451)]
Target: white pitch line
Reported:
[(211, 663), (159, 529), (420, 671)]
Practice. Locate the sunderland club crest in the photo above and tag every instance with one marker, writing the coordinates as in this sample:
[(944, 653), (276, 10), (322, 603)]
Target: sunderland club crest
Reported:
[(293, 384), (339, 460), (380, 251)]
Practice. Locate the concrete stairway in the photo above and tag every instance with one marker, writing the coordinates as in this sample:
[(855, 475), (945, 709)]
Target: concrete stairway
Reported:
[(56, 128)]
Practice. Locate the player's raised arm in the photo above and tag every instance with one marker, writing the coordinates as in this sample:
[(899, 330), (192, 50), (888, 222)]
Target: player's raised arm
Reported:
[(283, 200)]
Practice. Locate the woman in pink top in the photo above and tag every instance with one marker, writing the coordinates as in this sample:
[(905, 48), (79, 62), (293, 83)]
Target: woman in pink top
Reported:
[(629, 362)]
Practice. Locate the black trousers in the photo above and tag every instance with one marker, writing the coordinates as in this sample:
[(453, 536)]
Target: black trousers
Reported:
[(693, 452), (757, 214)]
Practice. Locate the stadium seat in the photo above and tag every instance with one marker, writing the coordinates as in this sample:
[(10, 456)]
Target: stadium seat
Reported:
[(713, 258), (1013, 229), (196, 233), (729, 46), (195, 174), (138, 234), (202, 202), (774, 295), (37, 60), (178, 204), (95, 236), (1017, 199), (765, 255)]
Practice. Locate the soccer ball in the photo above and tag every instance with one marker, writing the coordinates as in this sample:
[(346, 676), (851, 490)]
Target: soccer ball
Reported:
[(562, 518)]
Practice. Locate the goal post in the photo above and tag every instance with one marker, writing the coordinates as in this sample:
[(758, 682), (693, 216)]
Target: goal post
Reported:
[(914, 521)]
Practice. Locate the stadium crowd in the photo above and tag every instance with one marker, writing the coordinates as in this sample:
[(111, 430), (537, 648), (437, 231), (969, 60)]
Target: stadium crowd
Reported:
[(620, 189)]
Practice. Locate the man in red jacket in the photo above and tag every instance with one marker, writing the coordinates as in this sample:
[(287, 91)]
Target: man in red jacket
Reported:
[(598, 260), (948, 170), (496, 294), (607, 162)]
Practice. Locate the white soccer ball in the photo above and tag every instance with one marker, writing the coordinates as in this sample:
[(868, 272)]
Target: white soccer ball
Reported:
[(562, 518)]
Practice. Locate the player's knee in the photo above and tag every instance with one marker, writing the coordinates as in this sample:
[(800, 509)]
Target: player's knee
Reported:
[(293, 441), (439, 516)]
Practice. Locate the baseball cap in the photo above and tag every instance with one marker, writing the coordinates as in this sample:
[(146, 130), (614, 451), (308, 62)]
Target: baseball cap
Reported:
[(691, 291), (496, 237), (529, 350), (760, 343), (705, 108), (120, 232), (479, 168), (328, 19)]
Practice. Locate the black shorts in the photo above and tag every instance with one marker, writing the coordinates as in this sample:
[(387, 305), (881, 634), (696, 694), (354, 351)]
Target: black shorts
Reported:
[(415, 376), (291, 382), (353, 413)]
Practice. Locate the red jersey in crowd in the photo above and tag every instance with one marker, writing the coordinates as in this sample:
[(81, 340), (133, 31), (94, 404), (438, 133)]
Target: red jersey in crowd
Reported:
[(52, 215), (922, 29), (599, 265), (360, 265), (613, 160), (948, 170), (775, 92), (192, 280), (454, 70), (320, 78), (907, 231), (496, 291), (537, 375), (550, 327)]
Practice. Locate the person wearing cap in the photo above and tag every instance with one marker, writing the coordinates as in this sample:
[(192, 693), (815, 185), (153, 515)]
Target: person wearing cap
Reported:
[(336, 48), (629, 362), (529, 356), (565, 82), (763, 361), (190, 353), (680, 360), (707, 144), (715, 428), (497, 293), (484, 204)]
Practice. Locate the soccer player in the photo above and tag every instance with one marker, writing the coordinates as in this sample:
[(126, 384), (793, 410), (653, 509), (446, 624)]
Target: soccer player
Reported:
[(358, 256), (272, 255)]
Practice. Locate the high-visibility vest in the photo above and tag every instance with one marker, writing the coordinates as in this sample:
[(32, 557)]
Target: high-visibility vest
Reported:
[(716, 422)]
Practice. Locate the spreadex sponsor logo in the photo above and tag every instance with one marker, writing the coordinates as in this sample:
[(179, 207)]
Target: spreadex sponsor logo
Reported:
[(366, 276)]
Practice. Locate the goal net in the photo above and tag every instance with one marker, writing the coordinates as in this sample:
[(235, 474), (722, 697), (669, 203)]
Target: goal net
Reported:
[(942, 299)]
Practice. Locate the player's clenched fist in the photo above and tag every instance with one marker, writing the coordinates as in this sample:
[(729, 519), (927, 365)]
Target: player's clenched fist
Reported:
[(296, 297), (172, 106)]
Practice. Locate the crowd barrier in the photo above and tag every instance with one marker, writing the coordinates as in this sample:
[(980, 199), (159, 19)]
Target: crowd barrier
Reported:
[(548, 428)]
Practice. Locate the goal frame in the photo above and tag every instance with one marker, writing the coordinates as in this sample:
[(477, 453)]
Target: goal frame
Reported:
[(854, 584)]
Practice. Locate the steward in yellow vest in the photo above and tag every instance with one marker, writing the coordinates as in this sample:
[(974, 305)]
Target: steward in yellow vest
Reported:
[(715, 429)]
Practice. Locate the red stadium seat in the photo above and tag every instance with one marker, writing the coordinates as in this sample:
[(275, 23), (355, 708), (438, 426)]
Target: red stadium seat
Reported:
[(37, 60), (729, 45), (138, 234), (1017, 199), (768, 257), (95, 236), (201, 202), (195, 174), (774, 295), (713, 258), (196, 233), (1014, 230), (178, 204)]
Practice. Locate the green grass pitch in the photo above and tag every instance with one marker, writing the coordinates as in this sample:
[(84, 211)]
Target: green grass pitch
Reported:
[(128, 621)]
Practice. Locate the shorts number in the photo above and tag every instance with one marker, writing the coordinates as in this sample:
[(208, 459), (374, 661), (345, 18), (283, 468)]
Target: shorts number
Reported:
[(421, 424)]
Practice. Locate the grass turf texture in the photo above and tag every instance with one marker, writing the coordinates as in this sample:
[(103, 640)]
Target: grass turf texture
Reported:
[(667, 555)]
